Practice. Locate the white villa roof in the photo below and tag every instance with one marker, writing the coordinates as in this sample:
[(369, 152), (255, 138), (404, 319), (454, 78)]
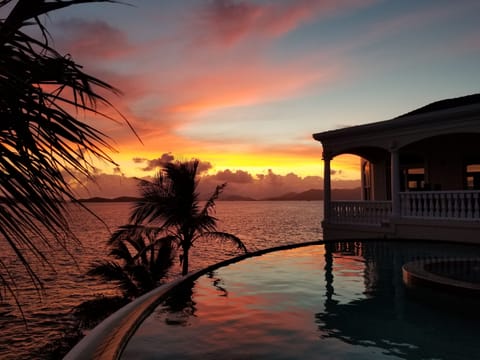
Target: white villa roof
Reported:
[(459, 115)]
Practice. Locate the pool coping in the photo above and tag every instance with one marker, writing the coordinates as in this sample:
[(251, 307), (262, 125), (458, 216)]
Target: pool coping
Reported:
[(109, 338)]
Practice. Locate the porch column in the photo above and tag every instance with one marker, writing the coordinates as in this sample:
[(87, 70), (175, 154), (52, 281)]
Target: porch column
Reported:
[(327, 193), (395, 181)]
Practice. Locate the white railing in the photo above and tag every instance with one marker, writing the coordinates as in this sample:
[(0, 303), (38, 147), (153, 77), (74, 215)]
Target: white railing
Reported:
[(457, 205), (360, 212)]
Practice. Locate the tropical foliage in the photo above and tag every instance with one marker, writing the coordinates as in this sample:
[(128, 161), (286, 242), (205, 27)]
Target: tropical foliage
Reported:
[(142, 259), (42, 142), (170, 203)]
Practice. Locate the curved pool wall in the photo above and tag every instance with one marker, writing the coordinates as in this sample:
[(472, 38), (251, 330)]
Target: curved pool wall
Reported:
[(109, 338)]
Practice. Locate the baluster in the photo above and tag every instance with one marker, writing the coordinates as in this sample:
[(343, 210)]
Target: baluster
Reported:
[(449, 201), (352, 212), (413, 204), (468, 199), (416, 206), (370, 213), (455, 206), (423, 203), (436, 204), (419, 204), (430, 205), (475, 206), (402, 204), (443, 206)]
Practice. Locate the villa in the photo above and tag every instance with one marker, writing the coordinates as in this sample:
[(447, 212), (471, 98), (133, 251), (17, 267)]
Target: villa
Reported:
[(420, 175)]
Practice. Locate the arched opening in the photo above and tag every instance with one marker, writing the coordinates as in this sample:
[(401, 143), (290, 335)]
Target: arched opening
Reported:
[(346, 177), (373, 164)]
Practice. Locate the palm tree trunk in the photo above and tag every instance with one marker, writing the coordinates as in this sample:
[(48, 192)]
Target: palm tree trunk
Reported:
[(185, 261)]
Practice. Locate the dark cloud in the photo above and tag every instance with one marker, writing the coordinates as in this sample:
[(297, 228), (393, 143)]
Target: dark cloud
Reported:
[(239, 177), (204, 166), (155, 163)]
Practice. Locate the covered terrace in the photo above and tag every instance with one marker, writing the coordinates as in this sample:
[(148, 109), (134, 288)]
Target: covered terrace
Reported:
[(420, 175)]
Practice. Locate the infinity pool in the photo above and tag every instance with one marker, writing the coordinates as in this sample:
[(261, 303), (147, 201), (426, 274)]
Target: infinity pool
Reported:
[(335, 301)]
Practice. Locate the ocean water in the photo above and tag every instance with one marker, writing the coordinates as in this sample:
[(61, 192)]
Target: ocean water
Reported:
[(47, 312)]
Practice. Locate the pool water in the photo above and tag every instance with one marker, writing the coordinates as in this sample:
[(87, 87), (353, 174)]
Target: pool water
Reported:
[(333, 301)]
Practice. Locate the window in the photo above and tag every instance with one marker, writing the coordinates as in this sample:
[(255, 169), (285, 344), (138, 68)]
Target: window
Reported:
[(472, 177), (414, 179)]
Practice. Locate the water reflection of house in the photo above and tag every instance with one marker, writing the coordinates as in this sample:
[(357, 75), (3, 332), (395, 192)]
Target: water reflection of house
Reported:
[(420, 175), (384, 316)]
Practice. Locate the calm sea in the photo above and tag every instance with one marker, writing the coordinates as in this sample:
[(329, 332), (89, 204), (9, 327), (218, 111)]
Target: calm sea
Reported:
[(48, 312)]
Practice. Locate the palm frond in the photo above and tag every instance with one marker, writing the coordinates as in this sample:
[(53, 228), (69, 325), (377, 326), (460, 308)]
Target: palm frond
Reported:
[(41, 139), (112, 271), (210, 203), (120, 251), (224, 236)]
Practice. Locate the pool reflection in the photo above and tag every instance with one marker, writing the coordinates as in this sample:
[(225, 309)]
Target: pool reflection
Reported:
[(386, 317), (332, 301)]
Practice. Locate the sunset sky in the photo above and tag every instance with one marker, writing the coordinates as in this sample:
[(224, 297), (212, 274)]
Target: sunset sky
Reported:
[(242, 85)]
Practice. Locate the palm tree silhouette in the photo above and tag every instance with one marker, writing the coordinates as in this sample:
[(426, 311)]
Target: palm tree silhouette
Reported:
[(142, 259), (171, 203), (42, 141)]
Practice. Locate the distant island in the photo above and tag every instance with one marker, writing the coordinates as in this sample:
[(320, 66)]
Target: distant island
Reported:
[(117, 199), (309, 195)]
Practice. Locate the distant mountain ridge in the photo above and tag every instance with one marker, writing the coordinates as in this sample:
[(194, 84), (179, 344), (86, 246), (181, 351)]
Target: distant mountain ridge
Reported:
[(117, 199), (309, 195), (318, 194)]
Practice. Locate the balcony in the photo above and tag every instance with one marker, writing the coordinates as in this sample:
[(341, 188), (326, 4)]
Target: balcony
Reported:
[(428, 205)]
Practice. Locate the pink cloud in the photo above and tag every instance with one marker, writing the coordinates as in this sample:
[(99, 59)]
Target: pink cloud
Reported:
[(93, 39), (252, 82), (229, 21), (269, 185)]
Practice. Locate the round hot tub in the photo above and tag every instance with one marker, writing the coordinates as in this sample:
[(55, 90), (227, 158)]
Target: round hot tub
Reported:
[(450, 277)]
